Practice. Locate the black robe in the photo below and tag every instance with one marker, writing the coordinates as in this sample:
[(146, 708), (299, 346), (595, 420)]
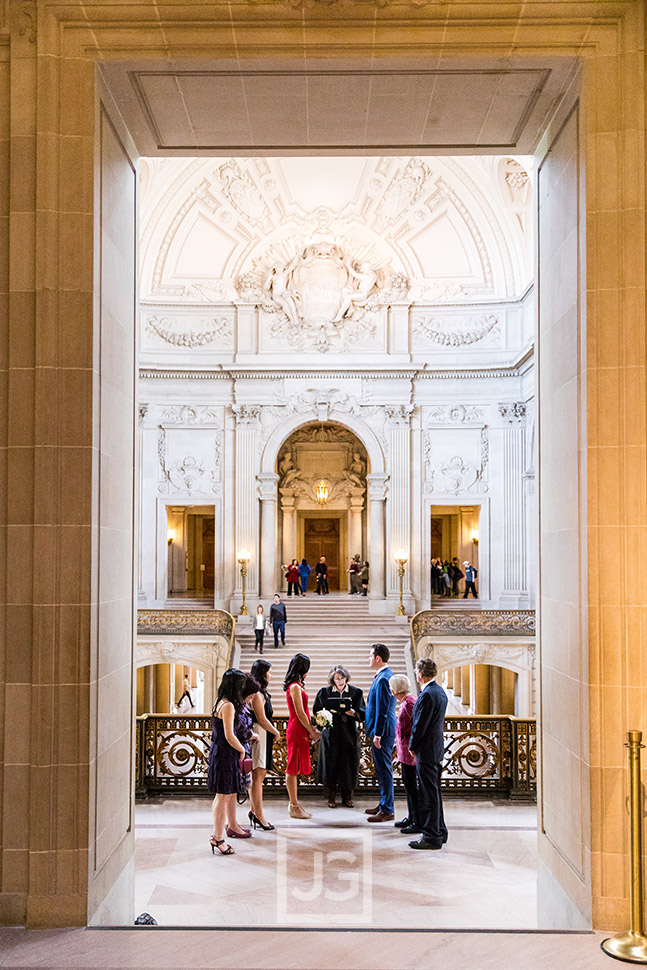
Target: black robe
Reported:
[(339, 748)]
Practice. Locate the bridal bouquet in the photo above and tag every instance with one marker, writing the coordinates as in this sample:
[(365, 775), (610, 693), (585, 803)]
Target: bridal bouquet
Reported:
[(323, 719)]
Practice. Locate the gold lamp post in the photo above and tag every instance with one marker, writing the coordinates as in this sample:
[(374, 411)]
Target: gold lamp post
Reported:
[(401, 559), (632, 946), (243, 559)]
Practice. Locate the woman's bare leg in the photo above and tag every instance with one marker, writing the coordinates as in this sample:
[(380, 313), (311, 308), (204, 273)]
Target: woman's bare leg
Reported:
[(256, 793), (219, 808), (232, 821)]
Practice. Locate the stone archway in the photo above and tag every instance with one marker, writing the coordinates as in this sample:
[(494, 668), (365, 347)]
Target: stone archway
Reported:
[(372, 492)]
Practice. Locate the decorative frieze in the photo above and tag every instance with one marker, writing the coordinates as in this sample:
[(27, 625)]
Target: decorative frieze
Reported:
[(455, 414), (489, 623), (188, 414), (207, 331), (185, 622)]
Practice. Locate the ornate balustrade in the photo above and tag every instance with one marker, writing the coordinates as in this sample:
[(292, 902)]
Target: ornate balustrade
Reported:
[(214, 625), (473, 623), (487, 755)]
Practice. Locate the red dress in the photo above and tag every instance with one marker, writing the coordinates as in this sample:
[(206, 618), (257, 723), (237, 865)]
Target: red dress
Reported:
[(297, 738)]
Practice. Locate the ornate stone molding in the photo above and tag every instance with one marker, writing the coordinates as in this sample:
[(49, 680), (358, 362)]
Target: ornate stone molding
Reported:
[(398, 415), (513, 413), (267, 486), (185, 623), (189, 414), (212, 329), (142, 411), (377, 486), (454, 331), (515, 656), (203, 655), (457, 474), (247, 414), (499, 623), (455, 414), (189, 474)]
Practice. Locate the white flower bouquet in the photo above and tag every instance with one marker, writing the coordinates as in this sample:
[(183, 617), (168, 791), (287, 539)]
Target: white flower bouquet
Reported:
[(323, 719)]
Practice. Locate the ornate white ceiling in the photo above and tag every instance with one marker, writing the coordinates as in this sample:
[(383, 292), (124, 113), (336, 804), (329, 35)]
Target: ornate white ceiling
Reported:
[(458, 230)]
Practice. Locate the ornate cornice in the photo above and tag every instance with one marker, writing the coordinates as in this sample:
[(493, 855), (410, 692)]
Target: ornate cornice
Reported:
[(375, 373), (491, 623)]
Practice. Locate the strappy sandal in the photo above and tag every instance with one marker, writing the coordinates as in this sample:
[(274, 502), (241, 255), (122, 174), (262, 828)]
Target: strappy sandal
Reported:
[(216, 843)]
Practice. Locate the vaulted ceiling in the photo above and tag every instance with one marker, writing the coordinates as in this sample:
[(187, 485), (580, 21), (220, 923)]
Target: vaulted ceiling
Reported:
[(458, 229)]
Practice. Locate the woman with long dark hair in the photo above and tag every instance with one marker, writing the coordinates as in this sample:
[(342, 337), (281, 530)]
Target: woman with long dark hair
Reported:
[(299, 731), (261, 752), (230, 729)]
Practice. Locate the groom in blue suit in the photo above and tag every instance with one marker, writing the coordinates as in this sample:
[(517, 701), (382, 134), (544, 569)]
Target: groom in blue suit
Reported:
[(380, 727)]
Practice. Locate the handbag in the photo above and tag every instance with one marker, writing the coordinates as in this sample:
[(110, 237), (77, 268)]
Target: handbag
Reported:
[(247, 765)]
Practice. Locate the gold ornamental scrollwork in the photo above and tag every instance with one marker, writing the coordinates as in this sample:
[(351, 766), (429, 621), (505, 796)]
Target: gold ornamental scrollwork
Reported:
[(490, 623), (488, 753)]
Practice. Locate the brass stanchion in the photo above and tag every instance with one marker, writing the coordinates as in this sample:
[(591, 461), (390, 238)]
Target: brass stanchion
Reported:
[(632, 946)]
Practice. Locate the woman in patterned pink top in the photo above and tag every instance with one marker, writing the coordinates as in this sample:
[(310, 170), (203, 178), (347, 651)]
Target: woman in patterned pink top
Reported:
[(401, 690)]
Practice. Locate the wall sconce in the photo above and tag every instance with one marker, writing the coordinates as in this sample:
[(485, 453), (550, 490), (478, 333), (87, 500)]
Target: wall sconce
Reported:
[(401, 559), (475, 538), (171, 537), (322, 492), (243, 559)]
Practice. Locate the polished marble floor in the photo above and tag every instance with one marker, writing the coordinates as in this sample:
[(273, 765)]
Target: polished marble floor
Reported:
[(337, 870)]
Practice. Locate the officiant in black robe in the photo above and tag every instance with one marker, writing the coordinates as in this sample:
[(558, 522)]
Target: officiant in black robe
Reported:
[(339, 747)]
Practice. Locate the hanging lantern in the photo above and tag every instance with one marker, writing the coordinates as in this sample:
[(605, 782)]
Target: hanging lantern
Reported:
[(322, 492)]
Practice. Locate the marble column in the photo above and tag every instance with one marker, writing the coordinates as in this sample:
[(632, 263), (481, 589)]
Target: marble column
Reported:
[(355, 531), (515, 567), (247, 422), (480, 689), (288, 511), (398, 507), (508, 691), (376, 496), (495, 690), (450, 679), (458, 682), (465, 686), (267, 489)]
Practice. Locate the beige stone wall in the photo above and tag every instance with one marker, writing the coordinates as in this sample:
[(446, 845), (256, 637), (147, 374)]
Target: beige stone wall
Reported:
[(63, 646)]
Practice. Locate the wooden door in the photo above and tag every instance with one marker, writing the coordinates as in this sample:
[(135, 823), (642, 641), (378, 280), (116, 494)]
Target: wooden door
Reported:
[(208, 552), (322, 539)]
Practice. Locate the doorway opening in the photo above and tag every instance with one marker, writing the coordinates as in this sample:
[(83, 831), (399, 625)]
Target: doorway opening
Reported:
[(191, 536)]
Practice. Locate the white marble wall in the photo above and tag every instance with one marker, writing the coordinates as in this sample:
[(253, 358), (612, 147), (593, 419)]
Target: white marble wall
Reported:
[(433, 439)]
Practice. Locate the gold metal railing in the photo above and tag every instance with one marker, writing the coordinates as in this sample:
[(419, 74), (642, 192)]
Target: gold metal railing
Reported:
[(489, 754)]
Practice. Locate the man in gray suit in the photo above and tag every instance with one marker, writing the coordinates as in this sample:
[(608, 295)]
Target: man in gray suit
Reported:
[(428, 744)]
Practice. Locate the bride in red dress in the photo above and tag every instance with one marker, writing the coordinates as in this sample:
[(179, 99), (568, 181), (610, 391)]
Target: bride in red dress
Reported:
[(299, 731)]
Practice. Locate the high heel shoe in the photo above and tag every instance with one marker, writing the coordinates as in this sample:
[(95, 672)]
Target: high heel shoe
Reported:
[(232, 834), (297, 812), (256, 822), (216, 843)]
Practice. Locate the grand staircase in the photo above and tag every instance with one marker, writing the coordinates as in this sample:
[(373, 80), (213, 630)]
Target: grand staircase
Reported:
[(333, 629)]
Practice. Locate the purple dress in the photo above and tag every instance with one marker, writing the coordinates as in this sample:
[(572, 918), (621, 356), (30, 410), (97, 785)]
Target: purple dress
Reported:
[(224, 775)]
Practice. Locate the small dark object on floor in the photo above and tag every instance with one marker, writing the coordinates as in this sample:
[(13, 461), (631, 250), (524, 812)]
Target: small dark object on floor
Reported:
[(145, 919)]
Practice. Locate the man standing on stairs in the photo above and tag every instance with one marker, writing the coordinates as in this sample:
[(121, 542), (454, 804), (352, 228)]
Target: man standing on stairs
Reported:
[(278, 619), (380, 727)]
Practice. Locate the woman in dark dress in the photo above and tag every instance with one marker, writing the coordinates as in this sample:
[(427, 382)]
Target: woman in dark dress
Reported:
[(339, 749), (231, 729), (261, 752)]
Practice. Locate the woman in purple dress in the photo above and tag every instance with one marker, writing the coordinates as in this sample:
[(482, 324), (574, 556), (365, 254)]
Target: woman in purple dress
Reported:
[(231, 729)]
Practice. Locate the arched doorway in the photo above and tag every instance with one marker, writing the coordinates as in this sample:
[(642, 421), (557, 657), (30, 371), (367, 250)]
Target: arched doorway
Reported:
[(322, 469)]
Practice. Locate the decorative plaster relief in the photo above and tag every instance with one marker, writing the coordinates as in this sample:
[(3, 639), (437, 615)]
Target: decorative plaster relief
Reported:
[(243, 195), (189, 414), (190, 474), (402, 192), (516, 657), (455, 475), (454, 331), (513, 413), (209, 330), (455, 414), (247, 414)]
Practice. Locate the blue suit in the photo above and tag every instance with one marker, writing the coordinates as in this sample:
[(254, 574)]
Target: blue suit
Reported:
[(380, 722)]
